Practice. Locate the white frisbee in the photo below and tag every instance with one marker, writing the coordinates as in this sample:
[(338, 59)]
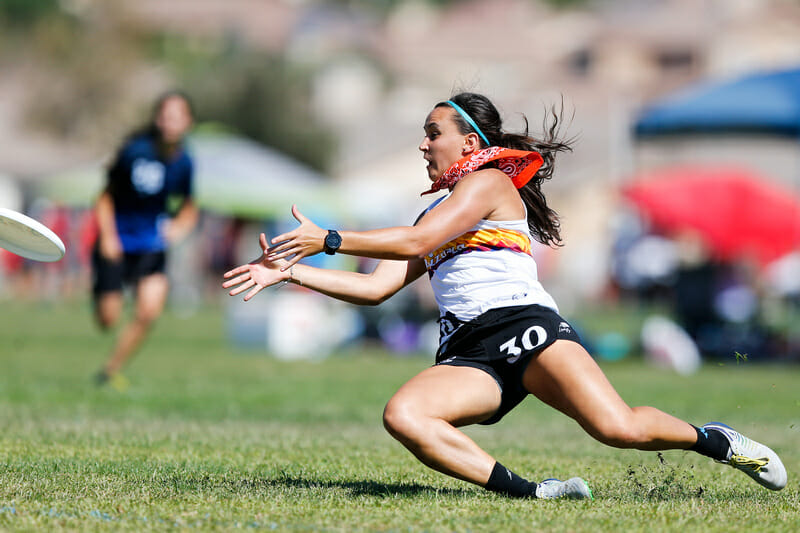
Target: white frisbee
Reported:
[(22, 235)]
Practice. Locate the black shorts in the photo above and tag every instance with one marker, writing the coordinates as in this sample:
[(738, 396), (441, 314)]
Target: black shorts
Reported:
[(501, 342), (111, 276)]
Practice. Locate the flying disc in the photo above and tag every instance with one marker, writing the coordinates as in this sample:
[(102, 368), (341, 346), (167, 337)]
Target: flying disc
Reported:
[(22, 235)]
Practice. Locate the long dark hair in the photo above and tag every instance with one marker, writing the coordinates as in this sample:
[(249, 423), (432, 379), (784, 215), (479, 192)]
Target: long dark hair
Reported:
[(543, 222), (150, 128)]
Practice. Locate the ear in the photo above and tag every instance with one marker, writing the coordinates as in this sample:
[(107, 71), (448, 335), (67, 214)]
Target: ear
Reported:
[(472, 143)]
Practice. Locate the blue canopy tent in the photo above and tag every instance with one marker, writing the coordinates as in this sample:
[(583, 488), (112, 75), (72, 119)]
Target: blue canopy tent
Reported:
[(767, 103)]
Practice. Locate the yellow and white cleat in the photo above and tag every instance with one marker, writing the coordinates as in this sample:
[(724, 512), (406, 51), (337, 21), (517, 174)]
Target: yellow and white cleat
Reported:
[(751, 457)]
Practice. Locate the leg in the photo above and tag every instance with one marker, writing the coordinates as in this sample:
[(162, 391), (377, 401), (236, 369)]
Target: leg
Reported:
[(425, 412), (107, 290), (566, 377), (107, 308), (151, 294)]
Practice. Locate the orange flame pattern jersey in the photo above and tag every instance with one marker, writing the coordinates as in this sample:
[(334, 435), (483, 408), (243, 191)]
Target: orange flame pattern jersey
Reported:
[(481, 240)]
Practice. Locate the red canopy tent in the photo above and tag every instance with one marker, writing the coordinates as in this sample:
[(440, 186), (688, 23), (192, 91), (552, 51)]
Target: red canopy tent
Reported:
[(738, 213)]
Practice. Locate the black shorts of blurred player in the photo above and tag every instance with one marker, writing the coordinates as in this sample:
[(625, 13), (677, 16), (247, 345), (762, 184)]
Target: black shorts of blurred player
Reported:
[(112, 276)]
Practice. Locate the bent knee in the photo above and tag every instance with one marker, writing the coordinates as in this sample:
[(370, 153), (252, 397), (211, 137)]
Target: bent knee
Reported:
[(106, 317), (402, 420), (107, 310), (620, 434), (148, 312), (395, 417), (146, 317)]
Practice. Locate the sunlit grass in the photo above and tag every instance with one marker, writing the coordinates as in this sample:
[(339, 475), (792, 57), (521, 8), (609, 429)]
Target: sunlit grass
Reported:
[(209, 437)]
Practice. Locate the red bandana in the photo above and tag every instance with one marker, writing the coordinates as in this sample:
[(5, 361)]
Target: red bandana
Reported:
[(519, 165)]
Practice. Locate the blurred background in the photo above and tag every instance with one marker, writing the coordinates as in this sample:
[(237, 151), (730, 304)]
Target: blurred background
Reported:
[(680, 205)]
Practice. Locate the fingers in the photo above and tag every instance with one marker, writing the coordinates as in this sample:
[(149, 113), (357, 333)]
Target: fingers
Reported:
[(284, 252), (288, 236), (252, 293), (262, 240), (236, 281), (291, 262), (278, 248), (298, 215), (243, 287), (282, 238), (236, 271)]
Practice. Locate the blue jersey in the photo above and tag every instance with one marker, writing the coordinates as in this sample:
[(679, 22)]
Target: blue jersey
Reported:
[(141, 182)]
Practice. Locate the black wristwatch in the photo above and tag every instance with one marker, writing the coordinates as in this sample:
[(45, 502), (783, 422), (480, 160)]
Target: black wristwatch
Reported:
[(332, 242)]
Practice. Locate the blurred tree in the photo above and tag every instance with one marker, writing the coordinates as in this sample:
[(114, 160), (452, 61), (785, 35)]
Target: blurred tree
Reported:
[(385, 6), (92, 74), (564, 4), (23, 13), (86, 75), (262, 96)]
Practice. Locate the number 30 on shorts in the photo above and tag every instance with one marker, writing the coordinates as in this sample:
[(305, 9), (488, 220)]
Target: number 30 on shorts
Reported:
[(533, 337)]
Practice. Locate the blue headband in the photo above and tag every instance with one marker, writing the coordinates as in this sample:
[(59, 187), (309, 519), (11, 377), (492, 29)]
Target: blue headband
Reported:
[(469, 120)]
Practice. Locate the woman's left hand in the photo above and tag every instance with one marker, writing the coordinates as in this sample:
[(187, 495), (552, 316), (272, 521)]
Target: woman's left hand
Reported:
[(256, 275), (306, 240)]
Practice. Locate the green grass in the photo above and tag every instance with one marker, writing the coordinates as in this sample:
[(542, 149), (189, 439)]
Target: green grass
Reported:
[(212, 438)]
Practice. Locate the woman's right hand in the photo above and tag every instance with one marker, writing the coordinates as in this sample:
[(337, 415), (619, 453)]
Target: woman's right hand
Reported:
[(256, 275), (111, 248), (304, 241)]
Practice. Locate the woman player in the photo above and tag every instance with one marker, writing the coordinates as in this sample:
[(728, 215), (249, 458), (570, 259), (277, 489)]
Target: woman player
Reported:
[(501, 335), (135, 226)]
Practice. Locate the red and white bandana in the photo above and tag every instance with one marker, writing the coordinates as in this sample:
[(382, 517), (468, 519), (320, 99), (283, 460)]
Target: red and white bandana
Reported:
[(519, 165)]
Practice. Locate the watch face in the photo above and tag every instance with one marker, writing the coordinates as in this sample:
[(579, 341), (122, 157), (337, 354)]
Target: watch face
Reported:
[(333, 241)]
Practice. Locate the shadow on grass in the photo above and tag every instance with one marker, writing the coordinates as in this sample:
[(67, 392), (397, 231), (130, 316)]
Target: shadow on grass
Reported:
[(367, 488), (295, 483)]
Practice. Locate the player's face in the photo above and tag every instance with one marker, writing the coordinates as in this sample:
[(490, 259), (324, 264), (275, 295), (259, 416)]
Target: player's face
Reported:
[(443, 144), (174, 119)]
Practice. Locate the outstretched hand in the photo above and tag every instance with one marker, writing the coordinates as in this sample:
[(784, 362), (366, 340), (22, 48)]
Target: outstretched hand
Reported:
[(306, 240), (257, 274)]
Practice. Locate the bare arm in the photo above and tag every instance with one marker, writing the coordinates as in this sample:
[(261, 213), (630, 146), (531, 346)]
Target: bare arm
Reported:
[(108, 238), (183, 223), (483, 194), (362, 289), (384, 281)]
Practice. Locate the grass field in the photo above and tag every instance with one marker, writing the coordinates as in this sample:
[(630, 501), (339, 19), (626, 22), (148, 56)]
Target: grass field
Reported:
[(212, 438)]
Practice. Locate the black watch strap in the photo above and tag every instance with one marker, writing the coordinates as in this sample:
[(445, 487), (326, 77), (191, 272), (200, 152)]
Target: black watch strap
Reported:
[(332, 242)]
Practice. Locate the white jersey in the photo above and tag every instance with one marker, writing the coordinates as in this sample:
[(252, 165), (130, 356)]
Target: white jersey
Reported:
[(489, 266)]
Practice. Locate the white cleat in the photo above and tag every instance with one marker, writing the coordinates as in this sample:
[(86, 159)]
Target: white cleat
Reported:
[(574, 489), (751, 457)]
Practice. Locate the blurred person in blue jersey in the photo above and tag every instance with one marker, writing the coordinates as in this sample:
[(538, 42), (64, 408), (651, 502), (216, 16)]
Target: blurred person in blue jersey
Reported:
[(145, 207)]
